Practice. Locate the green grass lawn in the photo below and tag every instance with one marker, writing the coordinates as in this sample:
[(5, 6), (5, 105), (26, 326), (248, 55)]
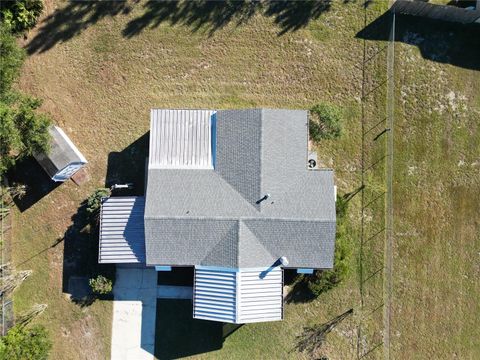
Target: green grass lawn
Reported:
[(436, 195), (99, 86)]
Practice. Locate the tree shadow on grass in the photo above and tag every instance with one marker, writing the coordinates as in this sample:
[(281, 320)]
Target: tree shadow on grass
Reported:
[(440, 41), (214, 15), (69, 21)]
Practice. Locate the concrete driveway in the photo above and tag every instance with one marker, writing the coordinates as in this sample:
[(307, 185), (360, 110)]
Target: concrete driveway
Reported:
[(134, 311)]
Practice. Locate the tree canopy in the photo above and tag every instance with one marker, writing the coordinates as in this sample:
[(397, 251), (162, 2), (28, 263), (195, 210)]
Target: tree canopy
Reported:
[(20, 15), (23, 131), (11, 56), (25, 343)]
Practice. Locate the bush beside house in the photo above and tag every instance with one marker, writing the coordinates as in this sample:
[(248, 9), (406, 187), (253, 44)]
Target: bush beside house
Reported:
[(325, 122), (94, 202), (308, 287), (101, 285)]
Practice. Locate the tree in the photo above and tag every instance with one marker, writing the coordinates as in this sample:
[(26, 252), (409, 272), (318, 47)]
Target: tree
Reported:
[(21, 15), (12, 57), (22, 343), (32, 127), (325, 122), (22, 131)]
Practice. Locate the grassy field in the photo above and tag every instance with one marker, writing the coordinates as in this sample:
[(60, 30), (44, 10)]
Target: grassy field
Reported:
[(437, 193), (99, 78)]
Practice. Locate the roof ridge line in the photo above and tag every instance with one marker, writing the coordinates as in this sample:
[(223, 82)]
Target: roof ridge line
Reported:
[(236, 218), (257, 241), (262, 117)]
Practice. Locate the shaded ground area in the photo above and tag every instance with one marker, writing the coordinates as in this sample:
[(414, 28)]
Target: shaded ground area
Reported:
[(128, 166), (71, 20), (179, 276), (29, 172), (179, 335), (439, 41), (80, 255), (214, 15)]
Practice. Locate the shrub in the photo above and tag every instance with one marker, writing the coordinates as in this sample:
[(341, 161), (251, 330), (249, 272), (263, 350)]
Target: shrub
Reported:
[(95, 200), (101, 285), (324, 280), (325, 122), (21, 15), (22, 343)]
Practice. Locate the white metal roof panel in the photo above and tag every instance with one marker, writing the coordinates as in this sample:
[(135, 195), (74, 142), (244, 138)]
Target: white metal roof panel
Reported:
[(181, 139), (122, 234), (238, 295)]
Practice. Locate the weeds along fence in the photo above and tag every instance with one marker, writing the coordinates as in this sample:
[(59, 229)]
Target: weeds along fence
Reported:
[(6, 310), (375, 258)]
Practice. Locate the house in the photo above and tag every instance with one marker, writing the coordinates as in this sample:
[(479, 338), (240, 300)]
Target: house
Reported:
[(230, 193), (64, 159)]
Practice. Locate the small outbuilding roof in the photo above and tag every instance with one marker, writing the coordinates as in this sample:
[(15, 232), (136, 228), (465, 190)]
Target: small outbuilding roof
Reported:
[(436, 11), (63, 152)]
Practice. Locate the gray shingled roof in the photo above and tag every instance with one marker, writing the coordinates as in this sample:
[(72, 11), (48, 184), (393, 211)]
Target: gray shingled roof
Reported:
[(211, 217)]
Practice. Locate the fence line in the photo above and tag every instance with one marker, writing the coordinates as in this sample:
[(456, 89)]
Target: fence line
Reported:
[(375, 246), (390, 103), (362, 194)]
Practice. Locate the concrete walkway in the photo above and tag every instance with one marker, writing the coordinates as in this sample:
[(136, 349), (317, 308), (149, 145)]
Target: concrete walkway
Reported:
[(134, 311)]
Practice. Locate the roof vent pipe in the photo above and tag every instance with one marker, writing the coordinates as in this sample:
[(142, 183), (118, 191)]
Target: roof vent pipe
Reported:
[(284, 261), (263, 198)]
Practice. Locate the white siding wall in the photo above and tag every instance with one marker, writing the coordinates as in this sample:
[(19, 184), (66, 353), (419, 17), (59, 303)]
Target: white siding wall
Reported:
[(214, 297), (238, 296), (260, 299)]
